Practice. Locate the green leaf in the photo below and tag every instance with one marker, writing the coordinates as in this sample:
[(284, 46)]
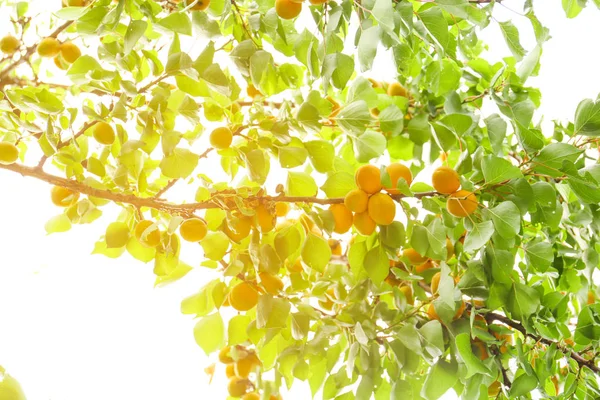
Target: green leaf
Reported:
[(321, 155), (391, 120), (419, 129), (511, 36), (587, 118), (392, 235), (337, 68), (539, 255), (177, 22), (507, 219), (523, 385), (472, 362), (338, 184), (209, 333), (441, 377), (257, 162), (377, 264), (496, 130), (300, 325), (550, 159), (522, 301), (287, 241), (135, 31), (433, 338), (354, 117), (588, 329), (300, 184), (215, 245), (316, 252), (272, 312), (496, 170), (179, 164), (369, 145), (290, 157), (237, 329), (479, 235), (436, 25), (59, 223), (367, 45), (383, 12)]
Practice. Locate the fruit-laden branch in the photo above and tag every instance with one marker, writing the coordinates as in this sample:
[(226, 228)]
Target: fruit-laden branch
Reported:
[(30, 50), (491, 316), (162, 205)]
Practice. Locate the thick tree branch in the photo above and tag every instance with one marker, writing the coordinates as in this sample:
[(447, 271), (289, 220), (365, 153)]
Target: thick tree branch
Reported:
[(162, 205)]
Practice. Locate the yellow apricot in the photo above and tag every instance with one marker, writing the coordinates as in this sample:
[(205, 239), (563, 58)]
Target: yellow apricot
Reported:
[(48, 47), (396, 89), (225, 356), (272, 284), (104, 133), (413, 256), (266, 221), (147, 236), (60, 63), (408, 293), (375, 84), (425, 266), (368, 178), (375, 112), (252, 91), (445, 180), (239, 229), (296, 266), (335, 246), (221, 138), (9, 153), (391, 278), (382, 209), (9, 44), (397, 171), (237, 386), (449, 249), (244, 366), (193, 230), (591, 297), (461, 203), (70, 52), (63, 197), (342, 218), (251, 396), (356, 200), (479, 349), (201, 5), (75, 3), (230, 370), (494, 389), (435, 282), (243, 297), (364, 224), (281, 209), (287, 9), (317, 2), (117, 235)]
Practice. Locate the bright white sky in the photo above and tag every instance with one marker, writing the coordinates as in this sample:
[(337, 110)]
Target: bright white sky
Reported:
[(76, 325)]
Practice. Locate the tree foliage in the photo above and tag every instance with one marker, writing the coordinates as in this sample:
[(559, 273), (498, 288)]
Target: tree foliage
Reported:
[(339, 263)]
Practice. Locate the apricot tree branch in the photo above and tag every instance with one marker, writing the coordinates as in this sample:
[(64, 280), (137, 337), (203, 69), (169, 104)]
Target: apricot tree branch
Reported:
[(162, 205)]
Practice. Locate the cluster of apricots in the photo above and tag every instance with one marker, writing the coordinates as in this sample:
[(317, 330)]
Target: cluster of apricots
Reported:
[(9, 153), (241, 364), (64, 54)]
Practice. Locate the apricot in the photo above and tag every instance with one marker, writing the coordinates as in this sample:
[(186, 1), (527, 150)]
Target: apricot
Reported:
[(244, 366), (479, 349), (239, 229), (63, 197), (117, 235), (221, 138), (48, 47), (252, 91), (147, 233), (375, 84), (506, 340), (374, 112), (381, 209), (9, 44), (445, 180), (461, 203), (251, 396), (364, 224), (193, 230), (432, 314), (296, 266), (230, 370), (335, 246), (104, 133), (413, 256), (425, 266), (70, 52), (266, 221), (9, 153), (282, 209), (494, 389), (342, 218), (272, 284), (397, 171), (237, 386), (307, 222), (435, 282), (356, 200), (224, 355), (75, 3), (449, 249), (408, 293), (60, 63), (396, 89), (368, 178), (317, 2), (391, 278), (201, 5), (287, 9), (591, 297), (327, 304), (243, 297)]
